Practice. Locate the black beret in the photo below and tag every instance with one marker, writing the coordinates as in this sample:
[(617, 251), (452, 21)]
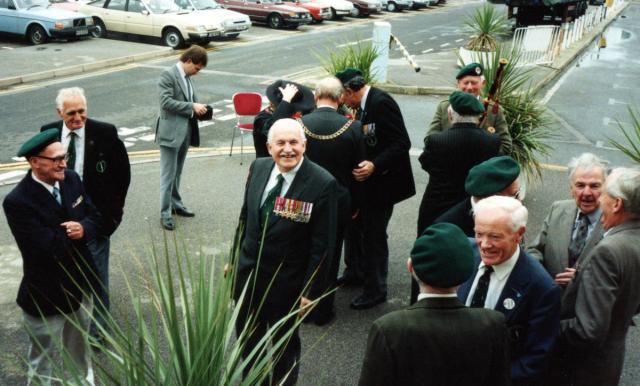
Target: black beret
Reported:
[(347, 74), (303, 101), (442, 256), (473, 69), (491, 176), (38, 142), (465, 104)]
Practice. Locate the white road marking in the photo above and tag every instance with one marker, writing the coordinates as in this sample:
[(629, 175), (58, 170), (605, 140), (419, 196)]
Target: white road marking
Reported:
[(352, 43), (15, 173), (612, 101), (147, 138), (444, 45), (19, 159), (429, 50), (206, 123), (554, 88), (619, 87), (225, 117), (125, 131), (128, 144), (606, 121), (459, 40), (433, 38), (418, 42)]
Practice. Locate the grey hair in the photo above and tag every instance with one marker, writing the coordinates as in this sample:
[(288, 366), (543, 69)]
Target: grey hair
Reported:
[(285, 123), (587, 161), (517, 212), (66, 94), (624, 183), (329, 88), (459, 118)]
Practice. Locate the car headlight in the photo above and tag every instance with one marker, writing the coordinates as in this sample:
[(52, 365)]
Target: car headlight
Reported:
[(292, 14), (196, 28), (88, 21), (63, 24)]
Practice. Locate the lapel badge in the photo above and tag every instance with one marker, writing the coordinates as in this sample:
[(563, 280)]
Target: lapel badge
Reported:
[(509, 304), (77, 202), (101, 166), (294, 210), (491, 130)]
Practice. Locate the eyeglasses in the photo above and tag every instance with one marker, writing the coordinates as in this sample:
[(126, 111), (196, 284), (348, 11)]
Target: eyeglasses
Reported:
[(74, 112), (57, 160)]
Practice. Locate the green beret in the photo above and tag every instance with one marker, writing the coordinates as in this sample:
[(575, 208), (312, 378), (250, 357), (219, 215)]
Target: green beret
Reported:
[(347, 74), (491, 176), (442, 257), (473, 69), (35, 144), (465, 104)]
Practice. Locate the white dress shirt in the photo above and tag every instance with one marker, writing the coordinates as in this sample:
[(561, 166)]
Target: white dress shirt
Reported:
[(66, 138), (364, 97), (422, 295), (46, 186), (498, 279), (273, 180)]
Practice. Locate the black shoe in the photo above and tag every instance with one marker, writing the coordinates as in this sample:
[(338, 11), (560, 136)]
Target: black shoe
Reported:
[(348, 281), (167, 223), (364, 302), (184, 212)]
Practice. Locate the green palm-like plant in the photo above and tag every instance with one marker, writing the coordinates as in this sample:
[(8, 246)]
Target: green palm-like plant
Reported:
[(632, 147), (360, 55), (488, 25), (527, 119)]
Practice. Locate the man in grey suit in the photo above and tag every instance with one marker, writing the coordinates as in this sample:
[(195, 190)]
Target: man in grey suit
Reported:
[(572, 227), (600, 303), (177, 128), (438, 341)]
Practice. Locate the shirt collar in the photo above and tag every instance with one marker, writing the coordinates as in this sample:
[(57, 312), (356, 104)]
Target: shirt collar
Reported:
[(65, 131), (363, 102), (427, 296), (291, 174), (503, 269), (46, 186), (181, 70), (594, 216)]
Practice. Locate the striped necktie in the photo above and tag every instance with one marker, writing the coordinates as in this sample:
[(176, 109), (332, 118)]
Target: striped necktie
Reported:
[(56, 195)]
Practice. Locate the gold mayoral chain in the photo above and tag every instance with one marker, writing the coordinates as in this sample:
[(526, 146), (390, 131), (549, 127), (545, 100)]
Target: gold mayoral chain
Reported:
[(325, 137)]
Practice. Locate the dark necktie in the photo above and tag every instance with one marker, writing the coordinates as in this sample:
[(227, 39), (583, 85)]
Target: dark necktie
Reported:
[(71, 151), (56, 195), (270, 201), (482, 288), (359, 113), (577, 243)]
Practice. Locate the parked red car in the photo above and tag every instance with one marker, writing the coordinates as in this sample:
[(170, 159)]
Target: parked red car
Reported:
[(319, 11), (273, 12)]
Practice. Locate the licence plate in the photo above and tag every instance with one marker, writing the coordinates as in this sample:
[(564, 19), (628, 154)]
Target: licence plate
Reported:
[(82, 31), (213, 34)]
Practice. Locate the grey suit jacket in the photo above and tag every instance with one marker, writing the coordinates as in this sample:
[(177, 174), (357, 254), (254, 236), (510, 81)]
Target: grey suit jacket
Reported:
[(599, 306), (551, 247), (175, 109)]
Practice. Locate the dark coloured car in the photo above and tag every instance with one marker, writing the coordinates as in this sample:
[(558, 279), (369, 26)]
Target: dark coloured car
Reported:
[(273, 12), (366, 7)]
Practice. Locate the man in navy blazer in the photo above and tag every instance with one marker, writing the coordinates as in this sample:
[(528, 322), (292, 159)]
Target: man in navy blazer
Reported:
[(52, 220), (509, 281)]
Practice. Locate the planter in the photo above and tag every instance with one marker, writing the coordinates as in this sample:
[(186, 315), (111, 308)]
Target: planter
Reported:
[(466, 56)]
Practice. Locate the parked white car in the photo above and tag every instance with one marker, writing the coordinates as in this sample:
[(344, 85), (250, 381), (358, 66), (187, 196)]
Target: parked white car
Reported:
[(232, 22), (398, 5), (156, 18), (339, 8)]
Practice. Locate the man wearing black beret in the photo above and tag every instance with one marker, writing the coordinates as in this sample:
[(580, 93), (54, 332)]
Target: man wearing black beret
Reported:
[(448, 156), (438, 341), (386, 177), (470, 79), (52, 220)]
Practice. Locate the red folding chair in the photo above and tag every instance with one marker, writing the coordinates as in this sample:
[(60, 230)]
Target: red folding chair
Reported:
[(245, 104)]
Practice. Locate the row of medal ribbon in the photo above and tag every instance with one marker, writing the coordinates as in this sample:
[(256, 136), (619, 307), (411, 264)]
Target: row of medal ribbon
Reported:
[(294, 210)]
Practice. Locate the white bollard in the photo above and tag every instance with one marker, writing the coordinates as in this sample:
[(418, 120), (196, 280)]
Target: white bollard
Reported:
[(381, 37)]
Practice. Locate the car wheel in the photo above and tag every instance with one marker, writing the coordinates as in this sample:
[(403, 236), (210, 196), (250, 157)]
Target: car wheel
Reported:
[(275, 21), (37, 35), (100, 30), (233, 36), (173, 38), (391, 7)]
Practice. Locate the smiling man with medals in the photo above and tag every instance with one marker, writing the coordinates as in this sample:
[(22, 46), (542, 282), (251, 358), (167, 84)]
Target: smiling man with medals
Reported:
[(289, 216)]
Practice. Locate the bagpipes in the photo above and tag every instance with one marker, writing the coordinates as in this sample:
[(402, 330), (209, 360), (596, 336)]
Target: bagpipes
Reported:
[(494, 93)]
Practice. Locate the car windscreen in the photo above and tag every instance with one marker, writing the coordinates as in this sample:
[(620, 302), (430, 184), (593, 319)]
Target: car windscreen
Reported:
[(199, 4), (162, 6), (28, 4)]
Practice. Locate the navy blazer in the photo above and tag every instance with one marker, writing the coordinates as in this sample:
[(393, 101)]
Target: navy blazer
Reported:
[(56, 269), (534, 320)]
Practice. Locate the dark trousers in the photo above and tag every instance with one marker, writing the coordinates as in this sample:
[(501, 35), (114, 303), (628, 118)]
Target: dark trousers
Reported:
[(288, 360), (371, 231), (353, 250)]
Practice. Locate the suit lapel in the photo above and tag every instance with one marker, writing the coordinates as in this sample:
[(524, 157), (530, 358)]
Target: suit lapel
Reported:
[(514, 289), (180, 80), (594, 238), (261, 177), (89, 148), (567, 220), (44, 197)]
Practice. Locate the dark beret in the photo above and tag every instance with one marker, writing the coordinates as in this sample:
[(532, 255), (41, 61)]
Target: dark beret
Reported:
[(347, 74), (303, 101), (38, 142), (465, 104), (491, 176), (473, 69), (442, 256)]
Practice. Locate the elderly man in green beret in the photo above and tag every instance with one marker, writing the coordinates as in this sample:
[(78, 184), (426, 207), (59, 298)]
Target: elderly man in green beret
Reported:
[(52, 220), (470, 79), (448, 156), (497, 176), (438, 341)]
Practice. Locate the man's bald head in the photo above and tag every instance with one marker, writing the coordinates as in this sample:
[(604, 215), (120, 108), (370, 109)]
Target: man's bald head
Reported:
[(286, 143)]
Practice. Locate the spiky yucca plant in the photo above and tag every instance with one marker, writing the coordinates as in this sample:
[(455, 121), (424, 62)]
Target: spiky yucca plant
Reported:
[(488, 25), (632, 146), (359, 55)]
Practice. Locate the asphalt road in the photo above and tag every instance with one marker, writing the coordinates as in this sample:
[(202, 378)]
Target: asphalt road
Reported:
[(213, 186)]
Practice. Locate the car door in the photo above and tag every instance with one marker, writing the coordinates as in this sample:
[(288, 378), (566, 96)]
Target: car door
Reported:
[(113, 15), (258, 9), (138, 20), (8, 16)]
